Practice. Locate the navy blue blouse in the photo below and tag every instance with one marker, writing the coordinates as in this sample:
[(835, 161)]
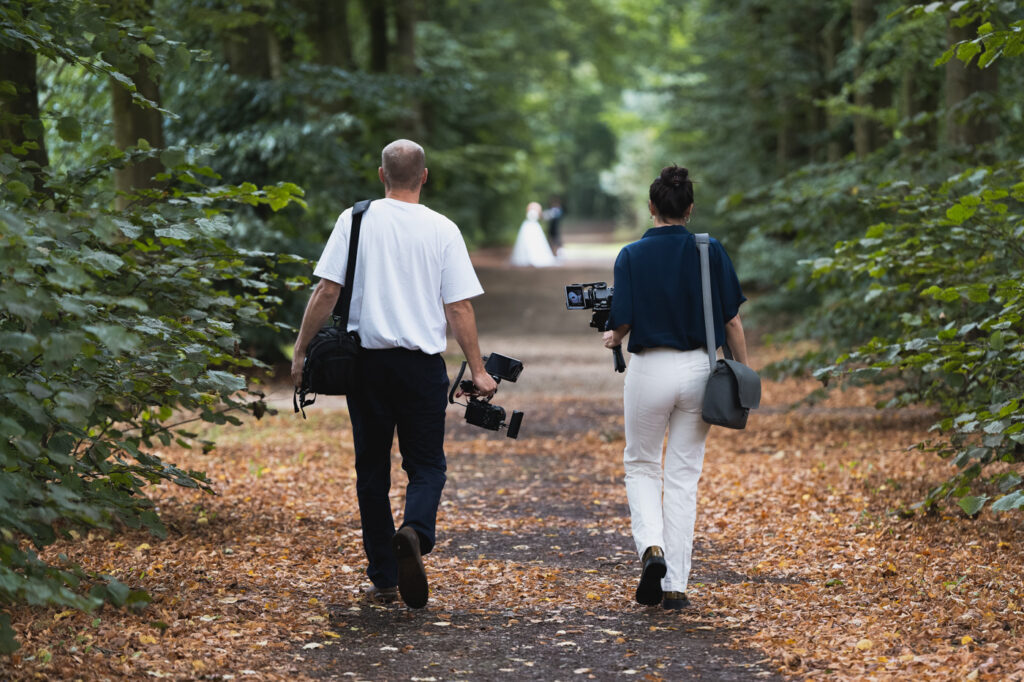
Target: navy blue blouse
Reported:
[(657, 290)]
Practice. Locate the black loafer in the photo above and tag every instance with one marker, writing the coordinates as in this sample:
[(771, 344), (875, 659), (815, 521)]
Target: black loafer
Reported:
[(675, 601), (648, 592), (412, 578)]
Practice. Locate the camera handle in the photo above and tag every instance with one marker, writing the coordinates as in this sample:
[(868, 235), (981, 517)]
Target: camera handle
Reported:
[(467, 386), (456, 384), (618, 360)]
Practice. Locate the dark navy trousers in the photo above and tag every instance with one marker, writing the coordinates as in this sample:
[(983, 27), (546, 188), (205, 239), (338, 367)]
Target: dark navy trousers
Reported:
[(405, 390)]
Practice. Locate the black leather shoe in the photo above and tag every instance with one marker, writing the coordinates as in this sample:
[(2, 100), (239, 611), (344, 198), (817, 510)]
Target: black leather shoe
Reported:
[(675, 601), (380, 595), (648, 592), (412, 578)]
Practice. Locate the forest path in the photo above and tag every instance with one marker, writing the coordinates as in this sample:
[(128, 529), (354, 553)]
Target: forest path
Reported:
[(807, 559)]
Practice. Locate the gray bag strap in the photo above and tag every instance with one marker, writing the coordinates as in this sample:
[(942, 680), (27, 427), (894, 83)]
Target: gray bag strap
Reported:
[(703, 242)]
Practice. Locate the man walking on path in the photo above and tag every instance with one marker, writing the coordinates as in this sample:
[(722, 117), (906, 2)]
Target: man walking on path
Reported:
[(412, 274)]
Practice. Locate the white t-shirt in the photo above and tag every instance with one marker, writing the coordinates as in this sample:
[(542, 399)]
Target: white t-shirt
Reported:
[(410, 262)]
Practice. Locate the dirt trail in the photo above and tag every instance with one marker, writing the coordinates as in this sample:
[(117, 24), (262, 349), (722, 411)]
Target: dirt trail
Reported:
[(809, 560)]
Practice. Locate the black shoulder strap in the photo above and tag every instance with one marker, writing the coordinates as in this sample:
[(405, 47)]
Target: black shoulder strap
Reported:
[(345, 300)]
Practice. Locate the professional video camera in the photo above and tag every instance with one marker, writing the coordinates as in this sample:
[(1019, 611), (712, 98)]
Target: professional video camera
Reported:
[(596, 296), (479, 411)]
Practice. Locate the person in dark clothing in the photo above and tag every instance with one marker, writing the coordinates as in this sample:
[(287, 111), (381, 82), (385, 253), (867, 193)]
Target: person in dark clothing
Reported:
[(412, 275), (554, 217), (659, 304)]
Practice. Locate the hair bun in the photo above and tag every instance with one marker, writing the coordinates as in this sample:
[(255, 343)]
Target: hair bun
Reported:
[(674, 176)]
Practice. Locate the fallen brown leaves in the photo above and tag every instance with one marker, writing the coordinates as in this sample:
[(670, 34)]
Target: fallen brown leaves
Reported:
[(802, 553), (842, 579)]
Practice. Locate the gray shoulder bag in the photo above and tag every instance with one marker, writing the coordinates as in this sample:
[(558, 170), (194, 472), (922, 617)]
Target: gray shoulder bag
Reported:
[(733, 389)]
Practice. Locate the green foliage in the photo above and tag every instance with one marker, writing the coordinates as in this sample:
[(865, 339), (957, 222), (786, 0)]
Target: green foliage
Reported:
[(898, 256), (950, 267), (117, 330), (941, 285)]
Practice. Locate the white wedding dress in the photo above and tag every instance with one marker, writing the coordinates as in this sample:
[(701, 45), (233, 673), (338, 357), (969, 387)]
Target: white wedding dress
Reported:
[(531, 248)]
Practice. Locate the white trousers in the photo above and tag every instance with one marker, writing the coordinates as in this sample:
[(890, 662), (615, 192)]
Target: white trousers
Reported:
[(664, 389)]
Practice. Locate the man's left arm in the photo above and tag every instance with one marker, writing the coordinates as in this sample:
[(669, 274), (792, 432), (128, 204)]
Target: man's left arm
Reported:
[(320, 306), (462, 321)]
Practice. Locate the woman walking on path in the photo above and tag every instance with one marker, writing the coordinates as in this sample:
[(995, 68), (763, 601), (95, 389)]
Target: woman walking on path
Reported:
[(658, 302)]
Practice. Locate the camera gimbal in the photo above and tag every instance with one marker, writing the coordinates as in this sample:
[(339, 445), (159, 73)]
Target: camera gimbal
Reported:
[(479, 411), (596, 296)]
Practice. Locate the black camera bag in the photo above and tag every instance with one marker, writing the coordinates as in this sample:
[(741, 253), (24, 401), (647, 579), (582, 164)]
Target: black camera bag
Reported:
[(733, 389), (331, 357)]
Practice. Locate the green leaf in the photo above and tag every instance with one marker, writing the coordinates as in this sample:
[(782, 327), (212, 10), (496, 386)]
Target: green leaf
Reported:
[(128, 229), (18, 189), (33, 129), (958, 213), (1014, 500), (1009, 480), (10, 428), (978, 293), (175, 232), (118, 592), (972, 505), (8, 644), (116, 338), (172, 158), (69, 129), (224, 382), (103, 261), (967, 51), (995, 427)]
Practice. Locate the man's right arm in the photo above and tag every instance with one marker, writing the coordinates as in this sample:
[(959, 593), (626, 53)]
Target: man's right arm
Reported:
[(462, 320), (319, 308)]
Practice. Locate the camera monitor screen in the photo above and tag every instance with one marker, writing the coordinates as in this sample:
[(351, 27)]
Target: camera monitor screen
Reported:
[(574, 297), (502, 367)]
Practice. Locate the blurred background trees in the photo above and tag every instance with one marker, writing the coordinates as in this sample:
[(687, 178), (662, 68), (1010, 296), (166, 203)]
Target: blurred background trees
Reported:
[(862, 161)]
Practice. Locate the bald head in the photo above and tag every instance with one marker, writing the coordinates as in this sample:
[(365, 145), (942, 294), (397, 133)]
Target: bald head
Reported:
[(402, 163)]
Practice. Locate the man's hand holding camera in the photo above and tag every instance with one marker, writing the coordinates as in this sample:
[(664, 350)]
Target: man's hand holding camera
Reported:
[(484, 384), (488, 372)]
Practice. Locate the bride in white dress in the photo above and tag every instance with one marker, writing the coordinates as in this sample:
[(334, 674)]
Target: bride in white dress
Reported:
[(531, 248)]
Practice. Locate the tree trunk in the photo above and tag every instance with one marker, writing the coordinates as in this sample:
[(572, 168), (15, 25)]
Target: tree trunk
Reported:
[(329, 31), (405, 34), (918, 95), (405, 63), (863, 15), (19, 114), (377, 21), (133, 123), (962, 82), (783, 134), (253, 52), (881, 98), (829, 52)]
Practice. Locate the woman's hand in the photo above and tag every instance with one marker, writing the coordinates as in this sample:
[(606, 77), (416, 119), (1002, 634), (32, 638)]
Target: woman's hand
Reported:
[(614, 337)]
